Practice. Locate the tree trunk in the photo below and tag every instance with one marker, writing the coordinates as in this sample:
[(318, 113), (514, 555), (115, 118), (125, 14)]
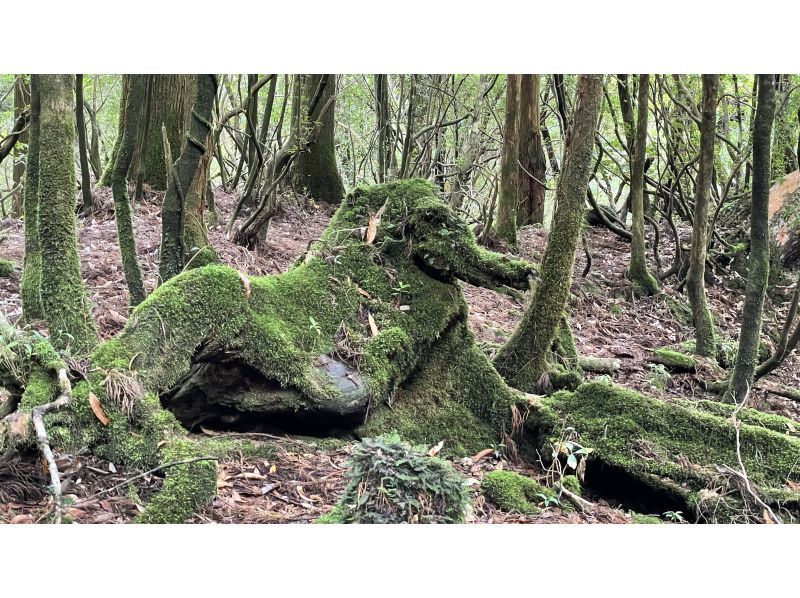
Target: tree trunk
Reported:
[(108, 173), (315, 169), (533, 166), (181, 174), (472, 147), (199, 251), (746, 357), (382, 124), (22, 100), (30, 286), (524, 359), (135, 100), (643, 282), (64, 300), (83, 157), (695, 283), (508, 201), (168, 102)]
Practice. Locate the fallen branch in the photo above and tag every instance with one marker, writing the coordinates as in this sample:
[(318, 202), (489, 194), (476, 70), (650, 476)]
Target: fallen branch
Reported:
[(579, 502)]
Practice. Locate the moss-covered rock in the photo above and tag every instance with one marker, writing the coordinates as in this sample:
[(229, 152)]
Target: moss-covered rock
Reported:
[(638, 518)]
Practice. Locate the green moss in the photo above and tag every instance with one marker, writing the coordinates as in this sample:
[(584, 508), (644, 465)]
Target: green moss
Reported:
[(6, 268), (336, 515), (678, 443), (572, 483), (674, 360), (513, 492), (679, 309), (186, 486), (40, 389), (640, 519)]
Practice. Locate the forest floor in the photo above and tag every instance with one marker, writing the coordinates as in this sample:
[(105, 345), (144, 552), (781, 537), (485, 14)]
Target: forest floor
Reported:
[(305, 479)]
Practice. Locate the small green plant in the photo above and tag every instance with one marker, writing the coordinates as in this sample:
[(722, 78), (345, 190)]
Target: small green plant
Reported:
[(391, 482), (549, 501), (674, 516), (659, 376), (314, 326), (401, 290)]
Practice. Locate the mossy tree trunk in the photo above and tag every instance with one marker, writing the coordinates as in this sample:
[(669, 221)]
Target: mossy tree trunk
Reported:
[(531, 154), (66, 308), (695, 282), (169, 99), (108, 173), (83, 155), (181, 175), (30, 286), (316, 171), (524, 359), (122, 206), (22, 101), (508, 201), (746, 357), (643, 282)]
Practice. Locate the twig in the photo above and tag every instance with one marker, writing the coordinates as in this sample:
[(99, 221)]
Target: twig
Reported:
[(141, 475), (37, 414), (579, 502), (742, 473)]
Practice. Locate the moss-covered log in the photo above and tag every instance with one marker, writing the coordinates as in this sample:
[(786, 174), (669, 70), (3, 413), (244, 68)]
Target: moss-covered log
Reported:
[(682, 451)]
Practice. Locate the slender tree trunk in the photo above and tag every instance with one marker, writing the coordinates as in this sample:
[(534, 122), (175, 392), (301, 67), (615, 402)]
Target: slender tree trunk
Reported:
[(524, 359), (382, 124), (108, 173), (80, 123), (316, 171), (472, 147), (30, 286), (122, 205), (509, 167), (695, 283), (746, 357), (22, 100), (63, 295), (643, 282), (181, 176), (195, 232), (533, 166), (629, 126)]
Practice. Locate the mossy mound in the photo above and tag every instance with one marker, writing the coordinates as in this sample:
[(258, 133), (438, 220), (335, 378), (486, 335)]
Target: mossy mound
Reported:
[(6, 268), (674, 360), (678, 447), (390, 482), (369, 326), (514, 492)]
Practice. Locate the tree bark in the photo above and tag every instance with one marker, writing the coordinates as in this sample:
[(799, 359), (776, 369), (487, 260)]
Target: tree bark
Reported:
[(508, 201), (168, 102), (30, 286), (643, 282), (64, 300), (122, 206), (746, 357), (695, 282), (181, 175), (22, 100), (108, 173), (83, 156), (382, 124), (524, 359), (316, 171), (533, 165), (472, 147)]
